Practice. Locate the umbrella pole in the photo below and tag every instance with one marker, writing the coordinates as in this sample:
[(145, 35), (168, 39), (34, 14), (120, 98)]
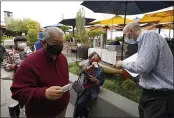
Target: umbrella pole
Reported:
[(122, 50), (169, 33), (73, 31), (159, 30)]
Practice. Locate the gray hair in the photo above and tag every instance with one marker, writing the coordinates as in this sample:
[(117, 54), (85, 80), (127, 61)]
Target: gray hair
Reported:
[(50, 31), (132, 25)]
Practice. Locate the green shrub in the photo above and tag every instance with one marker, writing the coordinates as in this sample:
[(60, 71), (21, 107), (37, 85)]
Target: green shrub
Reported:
[(130, 90), (109, 84), (68, 37), (32, 36), (74, 68), (119, 38), (5, 37), (129, 85)]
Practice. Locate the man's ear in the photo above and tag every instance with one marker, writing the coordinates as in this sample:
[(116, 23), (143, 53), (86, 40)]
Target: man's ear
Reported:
[(44, 44)]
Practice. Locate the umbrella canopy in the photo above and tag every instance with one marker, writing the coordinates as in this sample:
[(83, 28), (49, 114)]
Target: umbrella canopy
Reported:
[(158, 26), (91, 28), (115, 20), (56, 25), (126, 8), (133, 7), (159, 17), (119, 28), (72, 21)]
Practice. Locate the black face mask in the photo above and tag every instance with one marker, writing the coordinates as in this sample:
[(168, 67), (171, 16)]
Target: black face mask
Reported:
[(54, 49)]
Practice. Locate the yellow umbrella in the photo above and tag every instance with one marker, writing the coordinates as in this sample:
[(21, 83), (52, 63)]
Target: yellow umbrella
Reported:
[(157, 26), (115, 20), (160, 17), (119, 28)]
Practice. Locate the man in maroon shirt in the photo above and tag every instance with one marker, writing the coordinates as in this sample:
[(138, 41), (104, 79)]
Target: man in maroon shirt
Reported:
[(38, 81)]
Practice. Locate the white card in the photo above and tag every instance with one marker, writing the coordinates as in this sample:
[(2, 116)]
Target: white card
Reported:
[(66, 87)]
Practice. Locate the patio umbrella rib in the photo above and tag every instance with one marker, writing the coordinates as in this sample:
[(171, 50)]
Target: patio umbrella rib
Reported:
[(138, 6), (103, 6), (118, 9)]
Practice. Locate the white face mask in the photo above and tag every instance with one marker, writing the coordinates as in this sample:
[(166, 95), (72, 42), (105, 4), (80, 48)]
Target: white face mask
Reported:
[(22, 45), (129, 41)]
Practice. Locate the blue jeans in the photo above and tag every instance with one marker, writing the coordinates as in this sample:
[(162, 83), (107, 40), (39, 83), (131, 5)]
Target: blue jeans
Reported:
[(81, 104)]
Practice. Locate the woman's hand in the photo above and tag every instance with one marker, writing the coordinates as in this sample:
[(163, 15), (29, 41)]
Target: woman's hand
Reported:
[(96, 81), (91, 78), (95, 64), (88, 67)]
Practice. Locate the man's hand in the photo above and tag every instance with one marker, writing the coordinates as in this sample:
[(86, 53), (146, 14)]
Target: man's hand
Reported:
[(119, 64), (53, 93)]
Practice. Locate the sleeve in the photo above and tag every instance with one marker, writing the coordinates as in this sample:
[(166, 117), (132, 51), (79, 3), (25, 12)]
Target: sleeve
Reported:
[(85, 67), (67, 66), (8, 62), (25, 86), (100, 76), (147, 56)]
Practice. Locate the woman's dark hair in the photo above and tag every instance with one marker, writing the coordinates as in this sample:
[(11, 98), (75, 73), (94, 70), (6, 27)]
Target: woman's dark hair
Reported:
[(19, 38), (92, 54)]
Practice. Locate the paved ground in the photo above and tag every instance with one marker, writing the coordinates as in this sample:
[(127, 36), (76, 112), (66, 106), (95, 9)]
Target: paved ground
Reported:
[(6, 94)]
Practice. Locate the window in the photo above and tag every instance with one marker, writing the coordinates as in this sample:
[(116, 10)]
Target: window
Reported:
[(8, 14)]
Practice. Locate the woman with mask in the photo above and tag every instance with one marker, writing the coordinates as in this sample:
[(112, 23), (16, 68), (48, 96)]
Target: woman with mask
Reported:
[(91, 85), (16, 56)]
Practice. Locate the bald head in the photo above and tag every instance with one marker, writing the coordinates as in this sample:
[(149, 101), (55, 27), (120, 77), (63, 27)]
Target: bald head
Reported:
[(51, 33), (132, 30), (132, 26)]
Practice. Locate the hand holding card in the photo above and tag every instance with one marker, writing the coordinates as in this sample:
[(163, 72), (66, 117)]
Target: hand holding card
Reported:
[(66, 87)]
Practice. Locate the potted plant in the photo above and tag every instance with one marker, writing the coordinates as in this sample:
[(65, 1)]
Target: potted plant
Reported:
[(82, 34)]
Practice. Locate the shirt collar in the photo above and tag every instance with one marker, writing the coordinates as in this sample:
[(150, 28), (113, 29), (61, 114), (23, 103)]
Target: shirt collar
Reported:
[(140, 36)]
